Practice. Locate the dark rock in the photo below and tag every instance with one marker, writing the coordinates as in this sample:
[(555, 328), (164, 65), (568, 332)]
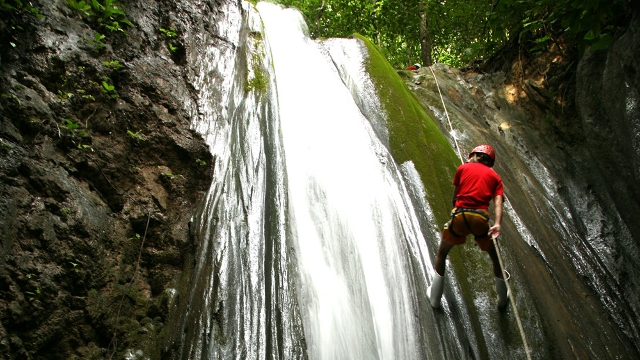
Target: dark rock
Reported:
[(76, 187)]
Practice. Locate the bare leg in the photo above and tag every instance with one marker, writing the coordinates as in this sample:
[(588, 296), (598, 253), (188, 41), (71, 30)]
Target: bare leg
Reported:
[(441, 258), (493, 254)]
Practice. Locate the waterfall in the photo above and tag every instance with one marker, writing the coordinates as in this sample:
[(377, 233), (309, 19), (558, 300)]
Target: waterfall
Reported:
[(313, 242), (238, 306), (349, 214), (310, 246)]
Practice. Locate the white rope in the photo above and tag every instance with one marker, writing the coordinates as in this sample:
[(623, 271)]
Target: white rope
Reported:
[(513, 302), (447, 113), (495, 241)]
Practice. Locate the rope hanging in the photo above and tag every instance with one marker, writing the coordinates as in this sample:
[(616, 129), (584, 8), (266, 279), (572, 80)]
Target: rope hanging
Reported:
[(513, 302), (495, 241), (447, 113)]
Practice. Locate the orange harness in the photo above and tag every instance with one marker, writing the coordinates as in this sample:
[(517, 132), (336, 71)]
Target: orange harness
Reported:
[(465, 212)]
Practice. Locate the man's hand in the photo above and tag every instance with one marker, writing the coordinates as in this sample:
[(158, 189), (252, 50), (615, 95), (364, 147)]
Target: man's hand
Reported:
[(494, 231)]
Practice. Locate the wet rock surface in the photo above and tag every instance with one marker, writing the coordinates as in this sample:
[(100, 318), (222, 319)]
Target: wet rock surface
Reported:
[(569, 164), (608, 102), (100, 175)]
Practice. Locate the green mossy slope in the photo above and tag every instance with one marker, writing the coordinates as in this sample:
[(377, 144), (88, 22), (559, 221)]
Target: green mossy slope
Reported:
[(413, 135)]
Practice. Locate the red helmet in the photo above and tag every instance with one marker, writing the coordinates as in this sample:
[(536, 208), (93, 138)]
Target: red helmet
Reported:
[(485, 149)]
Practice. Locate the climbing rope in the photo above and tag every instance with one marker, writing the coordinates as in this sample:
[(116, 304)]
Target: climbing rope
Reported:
[(447, 113), (513, 302), (495, 241)]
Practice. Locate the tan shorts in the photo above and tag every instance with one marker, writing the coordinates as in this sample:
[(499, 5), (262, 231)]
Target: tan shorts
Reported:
[(466, 222)]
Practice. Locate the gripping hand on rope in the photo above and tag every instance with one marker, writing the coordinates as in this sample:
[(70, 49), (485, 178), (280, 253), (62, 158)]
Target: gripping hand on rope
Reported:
[(494, 231)]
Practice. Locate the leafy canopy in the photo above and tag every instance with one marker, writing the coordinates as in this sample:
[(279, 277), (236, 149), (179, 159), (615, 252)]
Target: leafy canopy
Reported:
[(461, 31)]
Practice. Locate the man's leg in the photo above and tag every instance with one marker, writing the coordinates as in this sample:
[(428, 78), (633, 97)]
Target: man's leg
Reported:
[(493, 254), (441, 257), (434, 292), (501, 286)]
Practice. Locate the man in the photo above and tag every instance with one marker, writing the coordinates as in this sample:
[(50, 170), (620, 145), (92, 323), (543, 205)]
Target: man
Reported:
[(475, 185)]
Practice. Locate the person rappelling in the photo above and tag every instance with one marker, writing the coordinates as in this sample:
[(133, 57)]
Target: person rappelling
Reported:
[(475, 185)]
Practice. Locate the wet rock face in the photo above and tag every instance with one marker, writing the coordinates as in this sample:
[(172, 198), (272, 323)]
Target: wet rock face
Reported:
[(571, 179), (99, 177), (608, 99)]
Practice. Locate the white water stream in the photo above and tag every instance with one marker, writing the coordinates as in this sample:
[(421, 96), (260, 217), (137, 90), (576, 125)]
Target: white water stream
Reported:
[(308, 245), (350, 216)]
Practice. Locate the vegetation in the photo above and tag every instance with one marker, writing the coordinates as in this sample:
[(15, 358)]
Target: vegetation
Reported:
[(413, 134), (257, 77), (458, 32), (96, 42), (136, 135), (18, 6), (170, 34), (108, 14), (109, 89), (71, 125), (15, 15), (113, 64)]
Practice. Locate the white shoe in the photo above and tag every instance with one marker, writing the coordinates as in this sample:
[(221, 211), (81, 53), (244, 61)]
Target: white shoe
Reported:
[(434, 292), (501, 289)]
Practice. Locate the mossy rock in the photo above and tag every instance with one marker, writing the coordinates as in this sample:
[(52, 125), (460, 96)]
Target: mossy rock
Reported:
[(415, 137), (413, 134)]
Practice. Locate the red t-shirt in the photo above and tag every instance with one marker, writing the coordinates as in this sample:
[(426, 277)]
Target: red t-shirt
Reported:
[(477, 185)]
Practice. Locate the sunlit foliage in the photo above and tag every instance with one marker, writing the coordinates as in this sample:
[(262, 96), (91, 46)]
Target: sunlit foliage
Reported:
[(463, 31)]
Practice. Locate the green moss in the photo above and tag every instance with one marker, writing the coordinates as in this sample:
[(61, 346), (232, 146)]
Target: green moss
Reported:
[(413, 135), (258, 82), (260, 79)]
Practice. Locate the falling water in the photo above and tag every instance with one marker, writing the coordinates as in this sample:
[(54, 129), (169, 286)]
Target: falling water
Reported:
[(314, 243), (309, 242), (349, 213)]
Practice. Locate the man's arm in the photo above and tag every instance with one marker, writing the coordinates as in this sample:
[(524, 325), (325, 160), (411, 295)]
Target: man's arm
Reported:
[(494, 231), (455, 195)]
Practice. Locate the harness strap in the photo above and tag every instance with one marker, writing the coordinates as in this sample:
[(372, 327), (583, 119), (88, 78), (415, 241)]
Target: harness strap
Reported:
[(462, 211), (450, 227)]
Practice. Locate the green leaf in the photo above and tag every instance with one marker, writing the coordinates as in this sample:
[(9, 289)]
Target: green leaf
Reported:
[(115, 64), (114, 27), (136, 135), (543, 39), (589, 35), (71, 125), (604, 42), (106, 87), (127, 22), (96, 6), (171, 33), (6, 6)]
